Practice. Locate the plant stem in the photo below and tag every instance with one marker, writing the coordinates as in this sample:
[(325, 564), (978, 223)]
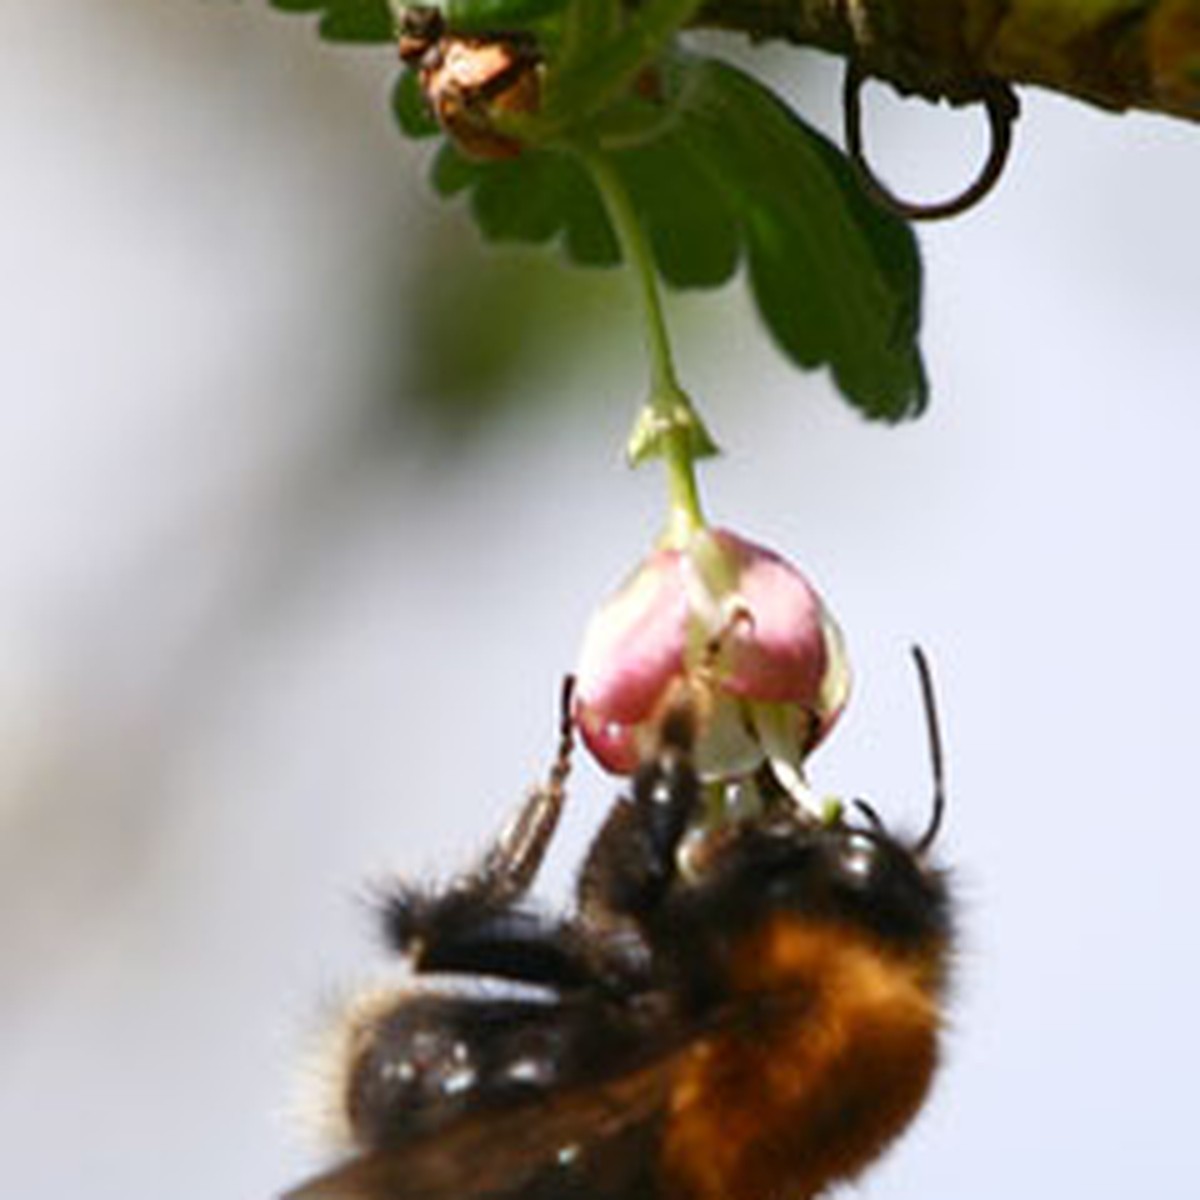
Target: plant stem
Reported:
[(668, 425)]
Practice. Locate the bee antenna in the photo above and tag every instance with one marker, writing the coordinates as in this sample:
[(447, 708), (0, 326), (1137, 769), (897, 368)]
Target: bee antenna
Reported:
[(925, 677), (869, 811)]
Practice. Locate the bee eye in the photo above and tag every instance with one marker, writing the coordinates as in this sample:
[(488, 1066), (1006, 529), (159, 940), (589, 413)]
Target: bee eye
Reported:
[(858, 858)]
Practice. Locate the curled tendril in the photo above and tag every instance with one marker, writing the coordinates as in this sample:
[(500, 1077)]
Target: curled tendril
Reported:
[(1002, 108)]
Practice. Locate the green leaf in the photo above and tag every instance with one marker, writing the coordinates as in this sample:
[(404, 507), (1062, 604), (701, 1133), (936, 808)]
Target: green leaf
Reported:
[(836, 279), (467, 15), (548, 197), (737, 177), (346, 20), (411, 111), (542, 196), (691, 229)]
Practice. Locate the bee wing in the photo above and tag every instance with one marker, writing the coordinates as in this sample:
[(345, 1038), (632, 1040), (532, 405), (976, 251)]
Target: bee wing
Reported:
[(591, 1142)]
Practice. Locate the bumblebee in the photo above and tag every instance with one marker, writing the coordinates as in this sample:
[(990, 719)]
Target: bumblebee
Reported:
[(753, 1021)]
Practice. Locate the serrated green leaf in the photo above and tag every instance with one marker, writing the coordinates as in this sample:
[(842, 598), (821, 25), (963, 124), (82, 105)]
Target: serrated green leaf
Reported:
[(738, 176), (346, 20), (522, 200), (836, 279), (539, 197), (543, 196), (588, 237), (451, 173), (696, 241)]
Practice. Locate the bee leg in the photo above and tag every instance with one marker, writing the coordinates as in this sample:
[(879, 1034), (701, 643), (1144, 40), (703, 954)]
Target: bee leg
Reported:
[(460, 934), (634, 857), (509, 867), (475, 925)]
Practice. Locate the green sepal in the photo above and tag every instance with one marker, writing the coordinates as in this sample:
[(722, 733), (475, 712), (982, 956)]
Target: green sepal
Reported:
[(653, 431)]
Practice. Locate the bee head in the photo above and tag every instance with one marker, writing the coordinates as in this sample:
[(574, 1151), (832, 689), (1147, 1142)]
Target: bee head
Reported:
[(848, 869), (862, 873), (863, 876)]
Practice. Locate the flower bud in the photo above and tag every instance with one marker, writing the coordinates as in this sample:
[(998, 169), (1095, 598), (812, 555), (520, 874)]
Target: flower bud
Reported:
[(747, 637), (472, 83)]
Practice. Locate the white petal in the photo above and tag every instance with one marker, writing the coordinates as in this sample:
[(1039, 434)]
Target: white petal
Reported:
[(780, 738), (728, 746)]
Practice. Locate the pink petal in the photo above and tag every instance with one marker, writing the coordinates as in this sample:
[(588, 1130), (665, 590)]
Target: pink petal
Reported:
[(780, 653), (634, 644), (613, 746)]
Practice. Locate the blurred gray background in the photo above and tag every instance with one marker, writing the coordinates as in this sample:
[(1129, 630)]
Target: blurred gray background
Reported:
[(269, 626)]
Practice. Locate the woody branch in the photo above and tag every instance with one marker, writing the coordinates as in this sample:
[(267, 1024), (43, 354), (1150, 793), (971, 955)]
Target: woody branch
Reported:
[(1107, 52)]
